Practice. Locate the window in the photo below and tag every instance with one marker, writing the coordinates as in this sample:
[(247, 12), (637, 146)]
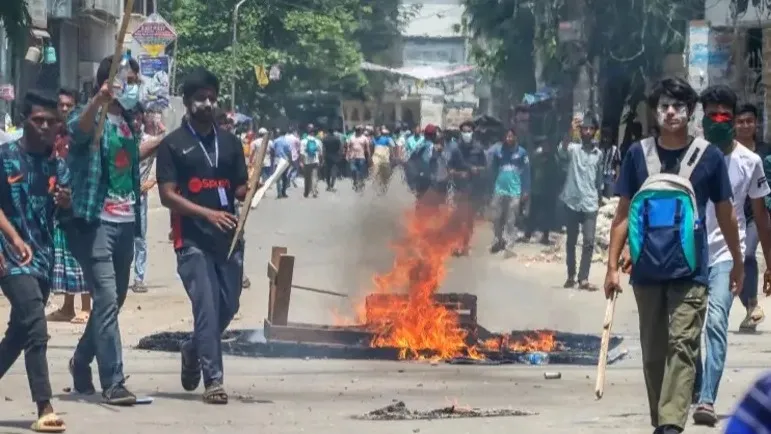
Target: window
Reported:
[(142, 7)]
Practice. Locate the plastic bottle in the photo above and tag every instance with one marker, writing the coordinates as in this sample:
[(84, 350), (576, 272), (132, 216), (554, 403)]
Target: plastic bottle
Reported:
[(121, 77)]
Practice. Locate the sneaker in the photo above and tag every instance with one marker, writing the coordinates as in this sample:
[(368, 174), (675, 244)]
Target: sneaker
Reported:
[(82, 379), (118, 395), (570, 283), (139, 287), (497, 247), (667, 429), (705, 415)]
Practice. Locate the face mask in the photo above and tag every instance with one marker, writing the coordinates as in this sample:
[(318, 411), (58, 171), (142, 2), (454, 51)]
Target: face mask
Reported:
[(130, 97), (466, 136), (718, 129)]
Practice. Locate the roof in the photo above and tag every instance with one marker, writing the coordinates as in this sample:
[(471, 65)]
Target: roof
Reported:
[(436, 21)]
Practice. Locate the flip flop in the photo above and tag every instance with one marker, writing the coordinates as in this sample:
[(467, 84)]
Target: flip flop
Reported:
[(49, 423), (80, 318), (59, 316)]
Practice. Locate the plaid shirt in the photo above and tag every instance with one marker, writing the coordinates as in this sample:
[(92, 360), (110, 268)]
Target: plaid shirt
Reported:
[(89, 177), (26, 186)]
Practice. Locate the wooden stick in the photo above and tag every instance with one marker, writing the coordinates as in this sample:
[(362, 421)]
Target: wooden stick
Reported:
[(602, 362), (116, 58), (320, 291), (250, 191)]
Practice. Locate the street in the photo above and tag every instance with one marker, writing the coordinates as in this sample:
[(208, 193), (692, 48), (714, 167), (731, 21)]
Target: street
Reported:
[(339, 240)]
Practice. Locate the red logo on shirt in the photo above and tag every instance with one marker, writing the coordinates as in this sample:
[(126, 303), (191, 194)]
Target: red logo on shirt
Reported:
[(121, 159), (196, 185)]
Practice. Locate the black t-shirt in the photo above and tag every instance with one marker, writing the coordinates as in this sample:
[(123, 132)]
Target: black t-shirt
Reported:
[(332, 145), (181, 160)]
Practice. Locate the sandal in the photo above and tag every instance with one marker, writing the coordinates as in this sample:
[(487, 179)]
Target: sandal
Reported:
[(705, 415), (49, 423), (586, 286), (190, 374), (80, 318), (215, 394), (59, 316)]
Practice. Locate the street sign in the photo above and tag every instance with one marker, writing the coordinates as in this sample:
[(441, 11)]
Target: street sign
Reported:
[(154, 35)]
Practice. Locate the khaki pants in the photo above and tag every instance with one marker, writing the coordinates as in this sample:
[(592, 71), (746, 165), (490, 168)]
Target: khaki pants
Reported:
[(671, 319), (381, 167), (311, 179)]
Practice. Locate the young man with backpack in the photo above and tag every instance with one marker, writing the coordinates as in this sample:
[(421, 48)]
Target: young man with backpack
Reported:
[(664, 186), (748, 184), (311, 157)]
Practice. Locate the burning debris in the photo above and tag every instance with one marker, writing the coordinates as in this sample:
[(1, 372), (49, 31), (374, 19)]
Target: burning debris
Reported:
[(399, 411)]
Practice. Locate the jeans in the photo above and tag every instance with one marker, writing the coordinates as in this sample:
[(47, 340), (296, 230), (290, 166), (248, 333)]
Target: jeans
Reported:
[(140, 245), (588, 223), (282, 184), (671, 316), (541, 217), (214, 288), (105, 251), (749, 294), (27, 331), (265, 173), (505, 212), (358, 172), (719, 303)]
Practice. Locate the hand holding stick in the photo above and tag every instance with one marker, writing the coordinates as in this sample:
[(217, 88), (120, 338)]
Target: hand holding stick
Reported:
[(116, 57), (602, 362)]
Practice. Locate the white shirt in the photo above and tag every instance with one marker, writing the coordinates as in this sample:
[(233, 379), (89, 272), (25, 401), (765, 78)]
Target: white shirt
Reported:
[(745, 170), (311, 159)]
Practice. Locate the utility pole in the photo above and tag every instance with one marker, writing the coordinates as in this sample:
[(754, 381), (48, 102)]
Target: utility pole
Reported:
[(235, 57)]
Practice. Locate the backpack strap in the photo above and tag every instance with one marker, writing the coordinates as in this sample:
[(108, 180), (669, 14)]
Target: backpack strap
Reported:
[(692, 157), (652, 161)]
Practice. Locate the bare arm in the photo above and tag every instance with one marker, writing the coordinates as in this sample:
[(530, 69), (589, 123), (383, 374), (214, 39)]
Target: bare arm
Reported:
[(9, 232), (177, 203), (618, 233), (148, 147), (726, 219)]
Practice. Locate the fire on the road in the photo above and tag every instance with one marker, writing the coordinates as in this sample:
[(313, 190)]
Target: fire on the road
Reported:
[(416, 324)]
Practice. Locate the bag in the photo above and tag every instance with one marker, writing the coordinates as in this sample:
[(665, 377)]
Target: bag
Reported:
[(665, 229), (311, 147)]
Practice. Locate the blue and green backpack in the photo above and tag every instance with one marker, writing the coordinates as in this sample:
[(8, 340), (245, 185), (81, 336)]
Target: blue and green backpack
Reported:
[(665, 228)]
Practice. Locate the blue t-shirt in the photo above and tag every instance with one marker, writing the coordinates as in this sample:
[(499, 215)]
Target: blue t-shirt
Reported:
[(710, 183)]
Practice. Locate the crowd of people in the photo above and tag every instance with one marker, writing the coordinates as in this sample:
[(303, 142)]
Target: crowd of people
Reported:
[(73, 201)]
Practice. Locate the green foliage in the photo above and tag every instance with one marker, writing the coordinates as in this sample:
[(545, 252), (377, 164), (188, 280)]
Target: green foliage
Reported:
[(14, 17)]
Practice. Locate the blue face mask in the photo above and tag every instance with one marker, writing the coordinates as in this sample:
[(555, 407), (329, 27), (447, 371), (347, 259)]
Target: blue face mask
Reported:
[(130, 97)]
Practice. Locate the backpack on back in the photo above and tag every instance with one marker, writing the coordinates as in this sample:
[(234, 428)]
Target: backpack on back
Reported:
[(311, 147), (664, 222)]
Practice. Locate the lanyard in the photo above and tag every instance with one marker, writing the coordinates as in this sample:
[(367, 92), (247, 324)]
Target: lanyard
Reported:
[(214, 164)]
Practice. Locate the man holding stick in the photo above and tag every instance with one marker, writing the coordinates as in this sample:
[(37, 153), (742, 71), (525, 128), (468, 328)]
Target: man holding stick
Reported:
[(664, 222), (201, 173), (106, 203)]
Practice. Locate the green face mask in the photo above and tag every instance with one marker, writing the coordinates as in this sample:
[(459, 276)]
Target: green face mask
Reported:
[(720, 134)]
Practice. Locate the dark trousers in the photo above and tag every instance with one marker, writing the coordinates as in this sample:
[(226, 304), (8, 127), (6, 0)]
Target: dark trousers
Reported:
[(214, 288), (27, 331), (105, 251), (465, 213), (587, 221), (542, 215), (282, 184), (331, 172)]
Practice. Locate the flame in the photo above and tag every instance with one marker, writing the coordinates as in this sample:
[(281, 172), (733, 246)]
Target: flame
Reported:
[(541, 340)]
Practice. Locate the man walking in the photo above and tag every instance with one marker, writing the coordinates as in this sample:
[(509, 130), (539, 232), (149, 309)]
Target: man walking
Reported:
[(745, 171), (201, 174), (545, 188), (311, 158), (746, 131), (510, 170), (581, 196), (333, 154), (106, 203), (467, 167), (33, 190), (357, 154), (664, 186)]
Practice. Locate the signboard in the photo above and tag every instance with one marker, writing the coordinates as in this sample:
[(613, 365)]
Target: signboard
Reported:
[(154, 35), (7, 92), (154, 93), (261, 75)]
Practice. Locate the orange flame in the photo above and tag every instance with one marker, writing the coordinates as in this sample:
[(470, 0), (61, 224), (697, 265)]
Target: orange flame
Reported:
[(402, 312)]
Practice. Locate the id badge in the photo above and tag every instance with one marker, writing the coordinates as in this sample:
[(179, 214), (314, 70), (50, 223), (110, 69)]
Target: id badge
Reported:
[(223, 196)]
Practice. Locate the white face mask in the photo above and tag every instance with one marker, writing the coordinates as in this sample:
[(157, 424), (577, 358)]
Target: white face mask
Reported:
[(671, 114), (466, 136)]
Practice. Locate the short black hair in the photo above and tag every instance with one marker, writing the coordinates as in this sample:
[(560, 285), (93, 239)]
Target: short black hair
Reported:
[(197, 79), (72, 93), (40, 98), (719, 94), (469, 124), (103, 71), (747, 108), (675, 88)]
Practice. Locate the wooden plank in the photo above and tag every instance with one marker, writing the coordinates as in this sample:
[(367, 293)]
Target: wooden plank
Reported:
[(275, 255), (319, 334), (283, 290)]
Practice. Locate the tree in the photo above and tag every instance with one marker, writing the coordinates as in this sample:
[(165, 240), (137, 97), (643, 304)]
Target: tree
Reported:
[(316, 43), (14, 17)]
